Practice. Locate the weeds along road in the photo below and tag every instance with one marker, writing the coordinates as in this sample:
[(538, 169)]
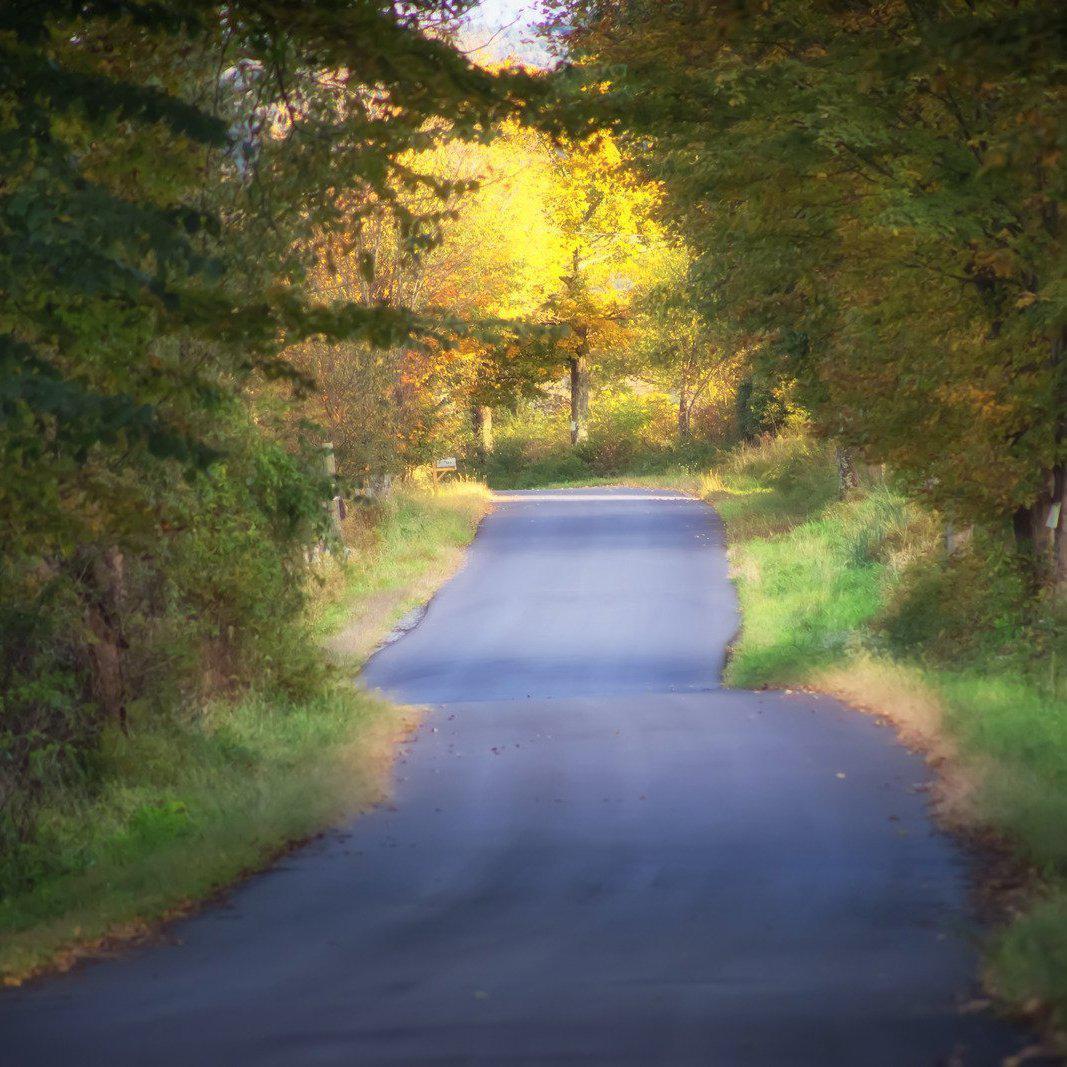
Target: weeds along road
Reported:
[(595, 855)]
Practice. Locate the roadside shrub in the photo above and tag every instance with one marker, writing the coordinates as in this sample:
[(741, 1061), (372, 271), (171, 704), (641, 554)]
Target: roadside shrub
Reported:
[(630, 432), (194, 590), (773, 484), (627, 428), (45, 723), (975, 608)]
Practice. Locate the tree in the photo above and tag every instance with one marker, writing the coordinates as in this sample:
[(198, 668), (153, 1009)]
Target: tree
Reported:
[(496, 257), (611, 241), (163, 168), (499, 261), (676, 346), (874, 192)]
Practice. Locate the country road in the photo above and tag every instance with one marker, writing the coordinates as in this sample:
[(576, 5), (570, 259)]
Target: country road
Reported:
[(594, 854)]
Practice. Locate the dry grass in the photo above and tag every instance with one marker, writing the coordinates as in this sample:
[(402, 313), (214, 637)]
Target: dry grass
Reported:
[(902, 696)]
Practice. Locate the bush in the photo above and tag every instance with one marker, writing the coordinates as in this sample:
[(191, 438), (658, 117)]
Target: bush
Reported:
[(195, 591), (191, 796), (974, 608), (630, 432)]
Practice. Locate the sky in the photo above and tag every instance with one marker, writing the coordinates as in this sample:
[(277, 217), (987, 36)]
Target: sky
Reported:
[(511, 21)]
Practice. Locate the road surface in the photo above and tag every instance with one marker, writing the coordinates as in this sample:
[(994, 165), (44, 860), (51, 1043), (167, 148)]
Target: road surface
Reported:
[(595, 855)]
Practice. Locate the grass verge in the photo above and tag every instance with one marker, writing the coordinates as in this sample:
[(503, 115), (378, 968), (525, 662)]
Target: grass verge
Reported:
[(828, 591), (181, 809), (403, 551)]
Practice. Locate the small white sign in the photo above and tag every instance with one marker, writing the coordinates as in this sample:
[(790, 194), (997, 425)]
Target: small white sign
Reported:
[(448, 463), (1053, 519)]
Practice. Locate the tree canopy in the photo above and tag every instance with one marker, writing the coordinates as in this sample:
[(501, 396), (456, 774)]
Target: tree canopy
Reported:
[(173, 180), (875, 195)]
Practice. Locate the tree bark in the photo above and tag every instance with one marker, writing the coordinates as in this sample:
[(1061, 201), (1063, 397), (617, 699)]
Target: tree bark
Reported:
[(482, 424), (1057, 518), (1059, 532), (104, 584), (1022, 526), (579, 398), (685, 416), (848, 478), (336, 505), (1040, 535)]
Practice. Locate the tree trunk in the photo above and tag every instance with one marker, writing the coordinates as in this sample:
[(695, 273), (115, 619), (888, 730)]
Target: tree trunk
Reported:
[(848, 479), (1023, 527), (1057, 525), (685, 415), (1057, 515), (482, 424), (104, 583), (579, 399), (1040, 535)]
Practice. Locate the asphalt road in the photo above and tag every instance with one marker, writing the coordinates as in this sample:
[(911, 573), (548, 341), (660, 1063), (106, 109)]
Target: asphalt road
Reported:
[(594, 856)]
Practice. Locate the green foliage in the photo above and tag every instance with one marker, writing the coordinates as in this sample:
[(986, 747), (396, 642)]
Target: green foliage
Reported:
[(976, 608), (630, 433), (213, 606), (766, 404), (875, 195), (164, 171), (185, 802), (43, 728)]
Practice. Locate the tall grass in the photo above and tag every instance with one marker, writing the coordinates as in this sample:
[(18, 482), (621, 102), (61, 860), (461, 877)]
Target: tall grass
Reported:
[(767, 488), (857, 596), (180, 808)]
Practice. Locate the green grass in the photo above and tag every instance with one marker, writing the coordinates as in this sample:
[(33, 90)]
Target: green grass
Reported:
[(407, 547), (771, 487), (829, 599), (1024, 732), (1028, 964), (805, 593), (182, 808)]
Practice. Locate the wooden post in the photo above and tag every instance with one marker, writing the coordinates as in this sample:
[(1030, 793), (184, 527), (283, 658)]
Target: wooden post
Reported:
[(336, 504), (441, 467)]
